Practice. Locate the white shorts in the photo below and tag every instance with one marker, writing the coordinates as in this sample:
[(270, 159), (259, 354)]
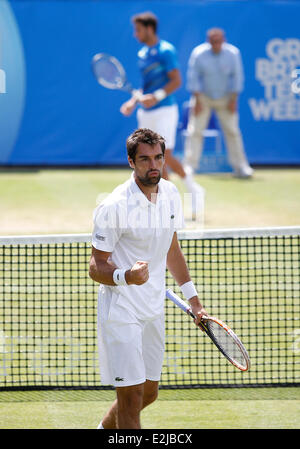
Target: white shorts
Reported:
[(130, 350), (163, 121)]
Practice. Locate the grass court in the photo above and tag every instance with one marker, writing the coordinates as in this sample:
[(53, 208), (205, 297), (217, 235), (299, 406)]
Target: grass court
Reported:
[(41, 201)]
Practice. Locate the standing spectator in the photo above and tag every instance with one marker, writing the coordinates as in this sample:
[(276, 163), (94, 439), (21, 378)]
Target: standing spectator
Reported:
[(158, 109), (215, 80)]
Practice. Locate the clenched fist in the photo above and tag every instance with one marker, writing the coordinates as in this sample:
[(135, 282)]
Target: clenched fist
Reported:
[(138, 273)]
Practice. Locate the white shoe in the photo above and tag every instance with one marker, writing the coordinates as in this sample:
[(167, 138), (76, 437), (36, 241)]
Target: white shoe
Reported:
[(100, 426), (245, 172), (188, 170)]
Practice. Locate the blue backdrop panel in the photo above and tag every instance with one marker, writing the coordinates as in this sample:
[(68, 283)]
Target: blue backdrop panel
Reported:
[(12, 81), (53, 112)]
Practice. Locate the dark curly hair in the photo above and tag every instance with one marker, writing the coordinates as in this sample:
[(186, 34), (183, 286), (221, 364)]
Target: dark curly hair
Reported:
[(147, 19), (143, 135)]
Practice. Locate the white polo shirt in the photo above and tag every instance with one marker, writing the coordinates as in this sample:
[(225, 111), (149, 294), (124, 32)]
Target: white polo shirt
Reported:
[(132, 228)]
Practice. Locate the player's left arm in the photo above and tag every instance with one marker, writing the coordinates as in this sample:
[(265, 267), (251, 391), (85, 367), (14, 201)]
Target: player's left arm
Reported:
[(170, 62), (176, 262), (237, 81), (149, 100), (174, 81), (177, 266)]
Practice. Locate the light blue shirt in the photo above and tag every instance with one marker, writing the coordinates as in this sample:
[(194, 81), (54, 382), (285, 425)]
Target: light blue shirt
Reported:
[(215, 75)]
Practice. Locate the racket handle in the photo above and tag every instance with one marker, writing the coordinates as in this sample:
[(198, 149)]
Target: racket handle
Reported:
[(137, 94), (179, 302)]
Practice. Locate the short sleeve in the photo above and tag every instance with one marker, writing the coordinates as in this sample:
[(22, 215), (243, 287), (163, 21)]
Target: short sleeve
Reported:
[(106, 232), (238, 73), (194, 77), (170, 59)]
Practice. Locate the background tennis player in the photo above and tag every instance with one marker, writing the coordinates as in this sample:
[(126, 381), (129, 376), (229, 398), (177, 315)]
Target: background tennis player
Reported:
[(161, 77), (134, 238)]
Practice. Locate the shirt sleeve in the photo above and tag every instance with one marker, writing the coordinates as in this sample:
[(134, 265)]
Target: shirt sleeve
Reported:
[(238, 73), (194, 78), (106, 232), (170, 59)]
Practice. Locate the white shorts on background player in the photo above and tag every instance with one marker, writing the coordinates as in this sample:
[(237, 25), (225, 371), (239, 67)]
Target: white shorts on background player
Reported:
[(131, 317), (162, 120)]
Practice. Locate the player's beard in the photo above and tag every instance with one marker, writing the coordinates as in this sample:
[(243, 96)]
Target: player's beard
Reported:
[(149, 180)]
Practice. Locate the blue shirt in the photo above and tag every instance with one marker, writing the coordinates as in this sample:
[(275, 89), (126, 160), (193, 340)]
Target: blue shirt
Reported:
[(155, 63), (215, 75)]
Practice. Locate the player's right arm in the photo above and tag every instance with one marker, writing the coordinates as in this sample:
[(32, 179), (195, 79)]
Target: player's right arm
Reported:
[(129, 106), (102, 268)]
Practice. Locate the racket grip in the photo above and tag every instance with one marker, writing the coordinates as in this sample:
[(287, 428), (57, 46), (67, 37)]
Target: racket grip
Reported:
[(137, 94), (179, 302)]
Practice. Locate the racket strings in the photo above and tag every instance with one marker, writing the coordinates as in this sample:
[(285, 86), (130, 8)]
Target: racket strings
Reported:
[(225, 342), (107, 72)]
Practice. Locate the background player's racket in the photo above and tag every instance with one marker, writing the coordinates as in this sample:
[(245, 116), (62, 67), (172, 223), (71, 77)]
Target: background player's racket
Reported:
[(221, 335), (110, 73)]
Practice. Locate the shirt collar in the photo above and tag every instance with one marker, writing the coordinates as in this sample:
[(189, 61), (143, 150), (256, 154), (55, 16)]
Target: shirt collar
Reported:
[(143, 200), (216, 54)]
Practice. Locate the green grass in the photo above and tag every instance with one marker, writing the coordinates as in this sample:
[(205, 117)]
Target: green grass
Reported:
[(62, 201), (175, 409)]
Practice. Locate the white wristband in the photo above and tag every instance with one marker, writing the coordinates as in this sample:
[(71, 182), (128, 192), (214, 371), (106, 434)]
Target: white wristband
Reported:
[(160, 94), (188, 290), (119, 276)]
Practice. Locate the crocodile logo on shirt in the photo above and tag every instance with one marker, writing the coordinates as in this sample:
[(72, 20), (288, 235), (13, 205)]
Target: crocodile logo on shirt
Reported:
[(100, 237)]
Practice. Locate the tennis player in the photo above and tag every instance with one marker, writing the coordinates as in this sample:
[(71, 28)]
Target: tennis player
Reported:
[(158, 110), (134, 239)]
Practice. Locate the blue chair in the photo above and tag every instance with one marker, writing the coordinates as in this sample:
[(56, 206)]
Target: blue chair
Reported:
[(212, 130), (214, 157)]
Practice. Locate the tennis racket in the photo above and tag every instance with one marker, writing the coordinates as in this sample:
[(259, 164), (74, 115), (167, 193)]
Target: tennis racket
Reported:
[(110, 73), (222, 336)]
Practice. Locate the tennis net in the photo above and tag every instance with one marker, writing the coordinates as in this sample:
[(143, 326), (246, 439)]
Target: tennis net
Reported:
[(248, 278)]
